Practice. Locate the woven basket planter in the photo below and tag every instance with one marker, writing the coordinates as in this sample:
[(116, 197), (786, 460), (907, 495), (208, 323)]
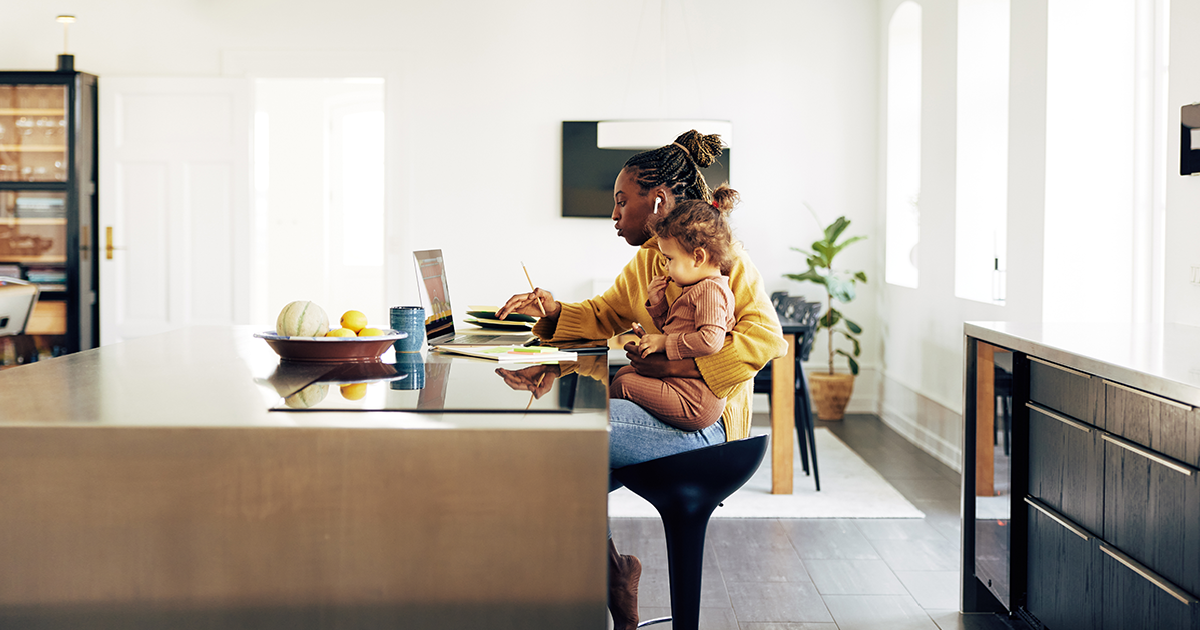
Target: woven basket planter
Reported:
[(831, 392)]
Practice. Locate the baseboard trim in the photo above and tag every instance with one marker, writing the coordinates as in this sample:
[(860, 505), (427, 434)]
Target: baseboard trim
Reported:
[(939, 447)]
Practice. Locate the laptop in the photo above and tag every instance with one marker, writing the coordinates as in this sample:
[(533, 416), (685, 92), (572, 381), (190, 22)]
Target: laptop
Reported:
[(17, 298), (439, 316)]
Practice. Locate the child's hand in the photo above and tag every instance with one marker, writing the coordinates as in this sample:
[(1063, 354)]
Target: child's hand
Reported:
[(656, 291), (649, 344)]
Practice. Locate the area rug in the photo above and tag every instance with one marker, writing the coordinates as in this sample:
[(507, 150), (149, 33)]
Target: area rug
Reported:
[(850, 488)]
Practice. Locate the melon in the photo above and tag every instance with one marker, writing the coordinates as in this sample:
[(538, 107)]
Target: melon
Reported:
[(308, 396), (302, 319)]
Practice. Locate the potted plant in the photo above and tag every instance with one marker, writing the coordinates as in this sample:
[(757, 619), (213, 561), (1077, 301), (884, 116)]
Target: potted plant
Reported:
[(831, 390)]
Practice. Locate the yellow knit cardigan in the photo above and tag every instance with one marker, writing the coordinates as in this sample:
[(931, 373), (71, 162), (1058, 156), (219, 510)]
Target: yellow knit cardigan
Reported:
[(756, 338)]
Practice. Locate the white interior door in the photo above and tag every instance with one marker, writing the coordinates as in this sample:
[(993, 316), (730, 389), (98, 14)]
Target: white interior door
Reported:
[(174, 191)]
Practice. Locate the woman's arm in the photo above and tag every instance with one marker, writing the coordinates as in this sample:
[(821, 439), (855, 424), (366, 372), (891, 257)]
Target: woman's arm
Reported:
[(608, 314)]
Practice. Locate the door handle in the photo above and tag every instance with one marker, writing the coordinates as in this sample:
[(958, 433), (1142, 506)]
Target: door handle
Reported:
[(108, 244)]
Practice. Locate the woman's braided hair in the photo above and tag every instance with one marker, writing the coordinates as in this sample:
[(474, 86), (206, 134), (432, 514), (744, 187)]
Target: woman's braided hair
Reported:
[(677, 165), (696, 224)]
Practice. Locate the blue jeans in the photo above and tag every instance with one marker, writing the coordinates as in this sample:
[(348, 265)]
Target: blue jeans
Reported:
[(636, 436)]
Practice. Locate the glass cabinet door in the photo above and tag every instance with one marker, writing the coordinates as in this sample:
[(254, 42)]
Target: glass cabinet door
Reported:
[(33, 229), (33, 247), (33, 133)]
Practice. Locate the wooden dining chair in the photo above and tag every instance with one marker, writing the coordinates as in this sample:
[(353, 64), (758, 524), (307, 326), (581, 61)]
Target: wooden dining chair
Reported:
[(796, 313)]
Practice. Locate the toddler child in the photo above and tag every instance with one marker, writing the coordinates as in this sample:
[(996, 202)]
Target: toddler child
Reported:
[(697, 244)]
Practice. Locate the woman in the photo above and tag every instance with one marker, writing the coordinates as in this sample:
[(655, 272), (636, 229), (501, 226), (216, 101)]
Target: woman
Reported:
[(650, 183)]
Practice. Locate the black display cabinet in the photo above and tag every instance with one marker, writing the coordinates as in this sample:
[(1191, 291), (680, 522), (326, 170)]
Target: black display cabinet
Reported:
[(48, 208)]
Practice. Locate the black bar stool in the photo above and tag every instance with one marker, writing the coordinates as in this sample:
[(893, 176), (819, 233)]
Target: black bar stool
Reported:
[(685, 489)]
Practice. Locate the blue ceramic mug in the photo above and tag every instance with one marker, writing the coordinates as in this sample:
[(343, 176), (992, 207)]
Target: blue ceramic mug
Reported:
[(409, 319)]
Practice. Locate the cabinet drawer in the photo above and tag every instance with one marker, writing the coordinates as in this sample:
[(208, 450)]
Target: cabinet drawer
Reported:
[(1152, 510), (1169, 427), (1064, 585), (1061, 389), (1137, 597), (1066, 466)]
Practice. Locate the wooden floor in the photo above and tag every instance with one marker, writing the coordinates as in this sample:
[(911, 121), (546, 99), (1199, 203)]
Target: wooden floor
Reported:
[(827, 574)]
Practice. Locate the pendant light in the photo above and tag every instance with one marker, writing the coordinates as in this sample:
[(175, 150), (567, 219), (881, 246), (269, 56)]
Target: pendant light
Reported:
[(66, 61)]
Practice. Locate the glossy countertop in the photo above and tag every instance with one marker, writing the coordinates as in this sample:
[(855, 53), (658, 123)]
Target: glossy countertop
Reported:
[(221, 376), (148, 484), (1161, 360)]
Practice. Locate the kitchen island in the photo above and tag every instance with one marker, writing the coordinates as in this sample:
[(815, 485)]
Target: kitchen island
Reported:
[(149, 484), (1081, 474)]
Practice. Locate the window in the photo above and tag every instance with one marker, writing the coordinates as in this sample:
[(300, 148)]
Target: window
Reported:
[(319, 193), (981, 187), (903, 145)]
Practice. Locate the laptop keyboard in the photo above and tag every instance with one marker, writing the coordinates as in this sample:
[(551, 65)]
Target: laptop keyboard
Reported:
[(475, 339)]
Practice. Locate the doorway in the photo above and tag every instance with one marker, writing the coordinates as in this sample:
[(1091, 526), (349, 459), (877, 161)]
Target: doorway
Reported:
[(318, 196)]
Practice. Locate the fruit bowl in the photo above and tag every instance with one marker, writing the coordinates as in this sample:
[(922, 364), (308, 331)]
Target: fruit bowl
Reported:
[(331, 349)]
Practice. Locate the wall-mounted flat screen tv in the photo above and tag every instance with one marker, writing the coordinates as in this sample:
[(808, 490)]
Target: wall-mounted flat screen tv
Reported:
[(589, 171)]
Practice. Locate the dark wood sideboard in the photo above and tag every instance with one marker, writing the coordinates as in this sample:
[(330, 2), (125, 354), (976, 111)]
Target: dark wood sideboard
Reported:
[(1101, 479)]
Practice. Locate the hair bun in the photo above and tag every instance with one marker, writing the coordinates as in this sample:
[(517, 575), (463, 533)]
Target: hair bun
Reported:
[(725, 198), (703, 150)]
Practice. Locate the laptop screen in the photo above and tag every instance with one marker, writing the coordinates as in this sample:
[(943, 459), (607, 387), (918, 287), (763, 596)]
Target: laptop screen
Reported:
[(435, 293)]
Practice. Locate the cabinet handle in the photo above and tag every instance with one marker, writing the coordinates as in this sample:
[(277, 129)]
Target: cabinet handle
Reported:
[(1061, 520), (1148, 454), (1165, 401), (1059, 367), (1151, 576), (1063, 419)]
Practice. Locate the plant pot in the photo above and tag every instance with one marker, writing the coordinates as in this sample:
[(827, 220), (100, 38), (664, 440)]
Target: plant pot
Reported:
[(830, 392)]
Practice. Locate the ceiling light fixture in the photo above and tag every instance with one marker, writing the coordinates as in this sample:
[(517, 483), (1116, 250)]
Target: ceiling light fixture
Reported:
[(66, 61)]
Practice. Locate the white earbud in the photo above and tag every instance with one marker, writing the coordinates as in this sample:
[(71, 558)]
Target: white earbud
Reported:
[(657, 200)]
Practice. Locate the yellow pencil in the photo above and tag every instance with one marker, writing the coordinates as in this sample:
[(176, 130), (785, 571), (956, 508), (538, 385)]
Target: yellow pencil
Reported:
[(532, 290)]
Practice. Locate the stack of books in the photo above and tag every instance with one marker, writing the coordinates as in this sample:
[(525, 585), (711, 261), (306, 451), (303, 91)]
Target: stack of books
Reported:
[(47, 278), (41, 207)]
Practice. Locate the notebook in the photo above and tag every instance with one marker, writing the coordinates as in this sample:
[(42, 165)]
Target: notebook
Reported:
[(439, 316)]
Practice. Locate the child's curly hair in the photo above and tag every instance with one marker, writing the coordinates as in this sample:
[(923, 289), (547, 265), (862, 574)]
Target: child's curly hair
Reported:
[(700, 224)]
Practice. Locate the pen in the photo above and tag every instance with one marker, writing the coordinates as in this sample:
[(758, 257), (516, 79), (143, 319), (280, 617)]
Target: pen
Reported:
[(531, 290)]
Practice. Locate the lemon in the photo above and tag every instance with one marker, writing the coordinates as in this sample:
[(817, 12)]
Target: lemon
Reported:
[(340, 332), (370, 332), (354, 391), (354, 320)]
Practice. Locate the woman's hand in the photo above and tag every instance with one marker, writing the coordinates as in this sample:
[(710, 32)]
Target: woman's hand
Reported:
[(535, 378), (658, 365), (531, 304), (650, 344)]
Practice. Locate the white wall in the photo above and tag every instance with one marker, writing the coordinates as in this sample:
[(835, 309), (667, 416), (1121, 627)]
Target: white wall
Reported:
[(1183, 193), (479, 89), (1090, 142), (920, 389)]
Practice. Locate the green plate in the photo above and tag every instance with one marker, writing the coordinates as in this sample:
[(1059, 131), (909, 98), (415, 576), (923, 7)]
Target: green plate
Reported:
[(512, 317)]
